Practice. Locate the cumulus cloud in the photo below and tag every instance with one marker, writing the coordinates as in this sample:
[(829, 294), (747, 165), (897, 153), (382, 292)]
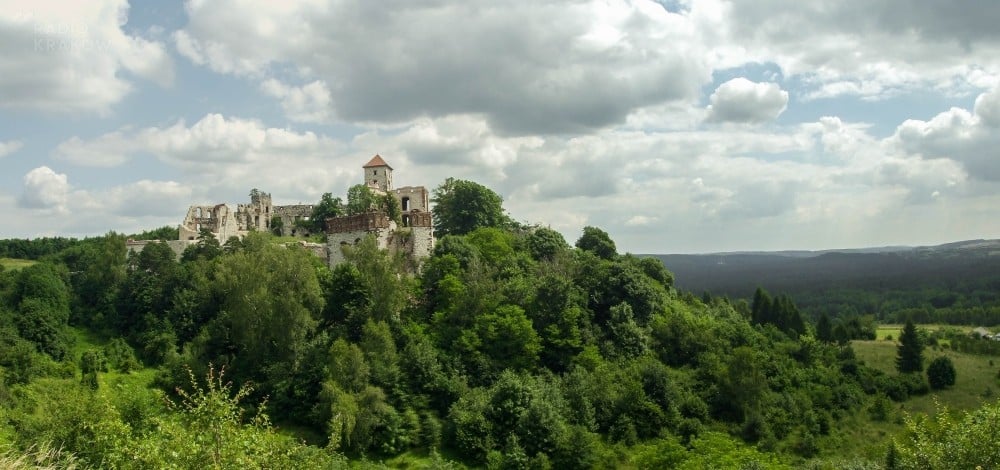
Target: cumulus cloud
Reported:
[(987, 109), (128, 207), (869, 49), (67, 57), (744, 101), (308, 103), (226, 154), (9, 147), (549, 67), (957, 134), (45, 189), (212, 140), (147, 198)]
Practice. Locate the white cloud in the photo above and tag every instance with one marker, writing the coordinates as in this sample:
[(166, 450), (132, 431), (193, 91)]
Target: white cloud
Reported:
[(225, 155), (639, 220), (874, 50), (69, 57), (9, 147), (108, 150), (988, 108), (213, 140), (957, 134), (741, 100), (129, 207), (146, 198), (308, 103), (45, 189), (550, 67)]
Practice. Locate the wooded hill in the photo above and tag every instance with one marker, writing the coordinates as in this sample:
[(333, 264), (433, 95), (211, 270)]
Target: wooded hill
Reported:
[(955, 283), (509, 349)]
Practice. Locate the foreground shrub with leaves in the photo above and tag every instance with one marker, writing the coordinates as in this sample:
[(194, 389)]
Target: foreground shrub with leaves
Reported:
[(206, 429), (940, 441)]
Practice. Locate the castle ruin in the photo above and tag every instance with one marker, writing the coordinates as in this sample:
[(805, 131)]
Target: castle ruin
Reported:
[(412, 236)]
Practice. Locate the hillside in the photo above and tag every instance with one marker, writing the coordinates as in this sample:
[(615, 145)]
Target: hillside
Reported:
[(956, 278)]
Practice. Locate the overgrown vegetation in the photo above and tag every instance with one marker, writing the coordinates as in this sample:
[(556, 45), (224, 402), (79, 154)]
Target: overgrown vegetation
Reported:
[(508, 349)]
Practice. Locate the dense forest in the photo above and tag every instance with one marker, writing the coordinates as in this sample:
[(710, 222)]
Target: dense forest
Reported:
[(508, 348), (955, 283)]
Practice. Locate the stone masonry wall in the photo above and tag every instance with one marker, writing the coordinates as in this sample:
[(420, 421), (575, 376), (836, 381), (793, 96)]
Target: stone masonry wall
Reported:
[(289, 215)]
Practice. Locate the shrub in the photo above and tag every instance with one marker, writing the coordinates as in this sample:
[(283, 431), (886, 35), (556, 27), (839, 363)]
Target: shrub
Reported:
[(941, 373)]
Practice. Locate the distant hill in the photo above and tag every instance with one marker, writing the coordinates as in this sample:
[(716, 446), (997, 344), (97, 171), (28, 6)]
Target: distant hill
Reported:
[(965, 274)]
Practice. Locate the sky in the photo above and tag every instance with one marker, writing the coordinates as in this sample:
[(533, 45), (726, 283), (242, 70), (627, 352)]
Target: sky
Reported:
[(682, 126)]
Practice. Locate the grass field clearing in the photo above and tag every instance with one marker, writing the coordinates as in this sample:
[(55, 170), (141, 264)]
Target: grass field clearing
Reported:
[(15, 263), (976, 379)]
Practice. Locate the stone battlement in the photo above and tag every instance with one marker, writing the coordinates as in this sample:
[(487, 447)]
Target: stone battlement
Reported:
[(367, 222)]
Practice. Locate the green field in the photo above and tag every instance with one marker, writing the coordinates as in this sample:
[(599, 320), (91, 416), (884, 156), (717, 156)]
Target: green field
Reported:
[(884, 332), (976, 384), (976, 381), (15, 263)]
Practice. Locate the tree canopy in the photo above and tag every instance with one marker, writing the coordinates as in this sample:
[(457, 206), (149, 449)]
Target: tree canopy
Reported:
[(461, 206), (327, 207), (598, 242)]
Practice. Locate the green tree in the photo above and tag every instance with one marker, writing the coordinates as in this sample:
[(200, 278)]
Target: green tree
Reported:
[(360, 199), (910, 353), (92, 362), (277, 225), (43, 311), (207, 247), (760, 311), (597, 241), (544, 243), (824, 329), (269, 301), (389, 204), (327, 207), (506, 337), (941, 373), (383, 278), (462, 206)]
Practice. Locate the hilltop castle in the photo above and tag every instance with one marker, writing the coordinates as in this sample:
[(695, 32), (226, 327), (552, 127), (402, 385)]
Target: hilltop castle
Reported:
[(413, 235)]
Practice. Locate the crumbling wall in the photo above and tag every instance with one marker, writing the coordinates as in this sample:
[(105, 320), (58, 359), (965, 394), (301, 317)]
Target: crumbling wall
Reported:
[(289, 215), (423, 242), (369, 221), (412, 198), (256, 215), (219, 219), (336, 242)]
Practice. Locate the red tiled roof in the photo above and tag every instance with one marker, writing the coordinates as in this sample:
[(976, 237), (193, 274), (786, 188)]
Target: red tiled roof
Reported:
[(376, 161)]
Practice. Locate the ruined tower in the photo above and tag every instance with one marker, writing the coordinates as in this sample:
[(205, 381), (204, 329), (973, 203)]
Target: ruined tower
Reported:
[(413, 235), (378, 174)]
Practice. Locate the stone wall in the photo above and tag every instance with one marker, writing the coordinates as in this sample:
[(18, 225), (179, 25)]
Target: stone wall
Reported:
[(412, 198), (178, 246), (368, 221), (218, 218), (336, 242), (256, 215), (289, 215)]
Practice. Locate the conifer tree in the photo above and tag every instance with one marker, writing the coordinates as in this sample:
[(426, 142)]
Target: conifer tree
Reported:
[(910, 353), (824, 329)]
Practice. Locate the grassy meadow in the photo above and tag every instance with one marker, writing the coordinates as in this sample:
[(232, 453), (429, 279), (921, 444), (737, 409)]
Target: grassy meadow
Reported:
[(976, 381), (15, 263)]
